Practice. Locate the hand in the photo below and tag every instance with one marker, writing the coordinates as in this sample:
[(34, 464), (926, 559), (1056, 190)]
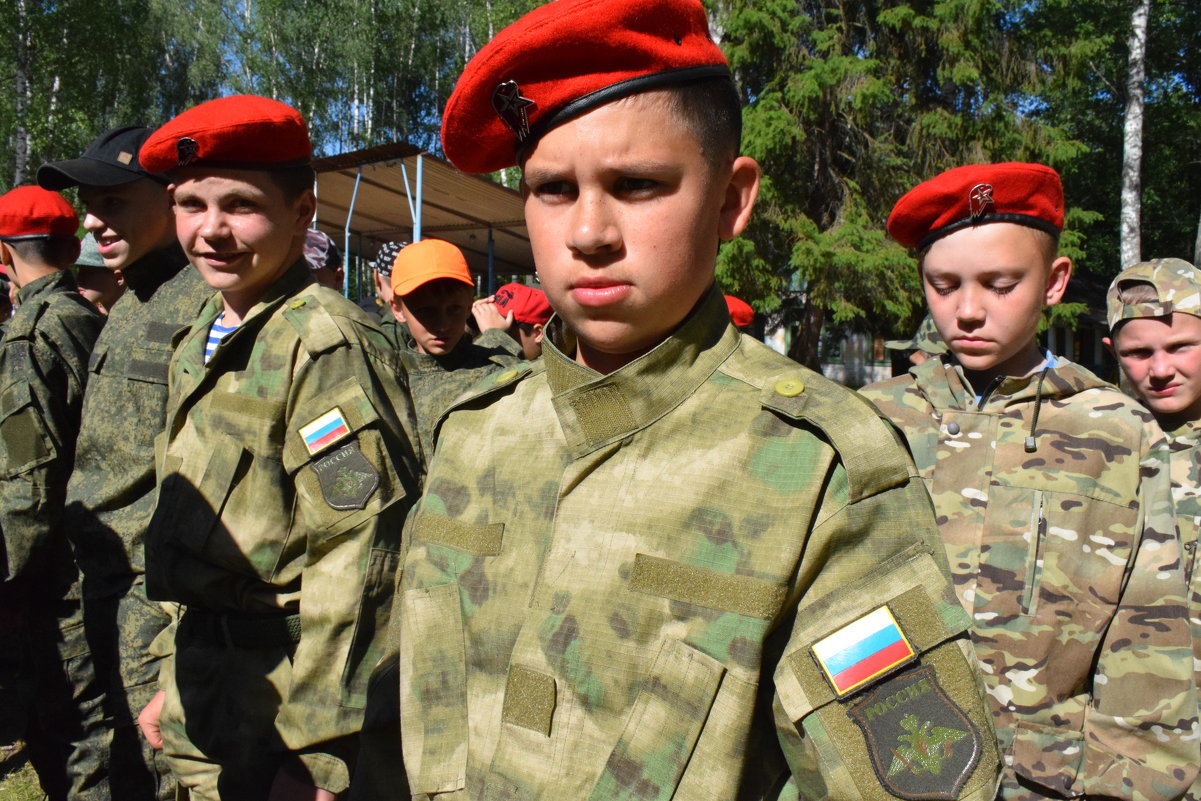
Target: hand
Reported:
[(488, 316), (148, 720), (286, 788)]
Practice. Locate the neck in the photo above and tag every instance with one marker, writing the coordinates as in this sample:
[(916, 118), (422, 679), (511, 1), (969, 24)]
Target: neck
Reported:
[(605, 363), (1019, 365), (25, 273)]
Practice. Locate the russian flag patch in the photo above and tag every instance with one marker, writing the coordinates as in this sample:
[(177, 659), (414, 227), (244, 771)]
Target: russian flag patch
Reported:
[(324, 431), (862, 650)]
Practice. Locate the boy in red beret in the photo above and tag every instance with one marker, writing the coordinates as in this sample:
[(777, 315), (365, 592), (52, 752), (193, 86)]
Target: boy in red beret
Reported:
[(110, 495), (671, 564), (49, 696), (520, 311), (284, 474), (432, 293), (1052, 497)]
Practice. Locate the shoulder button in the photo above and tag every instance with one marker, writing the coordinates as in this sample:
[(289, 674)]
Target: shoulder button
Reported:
[(296, 303), (789, 387), (953, 428), (505, 375)]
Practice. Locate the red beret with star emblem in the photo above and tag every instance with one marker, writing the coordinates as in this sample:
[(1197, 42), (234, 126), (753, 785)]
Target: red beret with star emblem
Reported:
[(565, 59), (242, 132), (1027, 194), (30, 212)]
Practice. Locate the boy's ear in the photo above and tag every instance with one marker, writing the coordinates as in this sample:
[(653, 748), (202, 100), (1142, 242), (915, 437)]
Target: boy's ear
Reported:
[(1057, 280), (1108, 343), (305, 207), (539, 330), (739, 197), (6, 254), (397, 309)]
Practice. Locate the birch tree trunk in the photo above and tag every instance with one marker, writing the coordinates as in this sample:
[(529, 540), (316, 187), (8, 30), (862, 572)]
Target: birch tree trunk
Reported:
[(21, 84), (1132, 154)]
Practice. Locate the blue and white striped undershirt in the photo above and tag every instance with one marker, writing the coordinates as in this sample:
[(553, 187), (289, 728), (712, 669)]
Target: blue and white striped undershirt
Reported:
[(217, 333)]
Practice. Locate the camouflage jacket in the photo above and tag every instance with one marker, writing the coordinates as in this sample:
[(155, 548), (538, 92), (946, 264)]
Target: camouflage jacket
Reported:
[(111, 492), (1064, 551), (436, 381), (285, 472), (627, 594), (43, 372), (1186, 492)]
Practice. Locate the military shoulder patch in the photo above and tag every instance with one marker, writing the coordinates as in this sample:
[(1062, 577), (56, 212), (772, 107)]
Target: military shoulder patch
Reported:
[(922, 745), (325, 431), (346, 478), (862, 650)]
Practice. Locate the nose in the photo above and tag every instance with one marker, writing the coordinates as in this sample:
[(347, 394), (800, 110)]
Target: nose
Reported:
[(1161, 365), (593, 228), (90, 223), (969, 311), (213, 224)]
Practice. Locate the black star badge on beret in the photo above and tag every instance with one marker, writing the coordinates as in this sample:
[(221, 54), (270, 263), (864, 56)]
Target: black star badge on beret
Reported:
[(510, 106), (188, 150), (979, 199)]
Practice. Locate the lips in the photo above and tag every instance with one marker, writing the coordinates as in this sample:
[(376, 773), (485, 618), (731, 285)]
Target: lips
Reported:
[(599, 291)]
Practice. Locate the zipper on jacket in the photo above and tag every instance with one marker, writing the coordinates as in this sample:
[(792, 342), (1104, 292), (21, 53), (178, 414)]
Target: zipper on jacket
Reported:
[(1038, 535)]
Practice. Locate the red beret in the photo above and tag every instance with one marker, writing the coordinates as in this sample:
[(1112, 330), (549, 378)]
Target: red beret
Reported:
[(1027, 194), (740, 311), (529, 305), (243, 132), (30, 211), (565, 59)]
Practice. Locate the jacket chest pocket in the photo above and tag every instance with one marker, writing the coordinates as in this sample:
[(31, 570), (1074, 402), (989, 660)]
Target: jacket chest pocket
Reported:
[(1050, 555)]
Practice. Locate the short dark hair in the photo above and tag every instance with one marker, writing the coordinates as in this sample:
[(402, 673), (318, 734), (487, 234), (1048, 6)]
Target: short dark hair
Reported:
[(293, 181), (712, 110), (53, 251)]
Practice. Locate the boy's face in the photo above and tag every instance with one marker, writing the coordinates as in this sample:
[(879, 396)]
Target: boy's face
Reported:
[(986, 287), (436, 313), (625, 215), (128, 220), (1162, 358), (239, 230)]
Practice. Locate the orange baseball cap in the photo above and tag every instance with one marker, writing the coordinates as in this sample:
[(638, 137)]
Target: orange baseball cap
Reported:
[(740, 311), (428, 260)]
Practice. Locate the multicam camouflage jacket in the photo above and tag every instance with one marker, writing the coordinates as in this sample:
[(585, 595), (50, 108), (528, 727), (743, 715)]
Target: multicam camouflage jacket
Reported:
[(43, 372), (285, 473), (1053, 504), (1186, 492), (110, 495), (435, 381), (711, 574)]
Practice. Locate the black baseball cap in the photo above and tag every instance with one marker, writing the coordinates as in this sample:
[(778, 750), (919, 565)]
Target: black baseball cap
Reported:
[(111, 159)]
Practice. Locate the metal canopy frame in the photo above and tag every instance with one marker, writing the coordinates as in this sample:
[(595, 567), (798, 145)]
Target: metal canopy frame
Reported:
[(399, 192)]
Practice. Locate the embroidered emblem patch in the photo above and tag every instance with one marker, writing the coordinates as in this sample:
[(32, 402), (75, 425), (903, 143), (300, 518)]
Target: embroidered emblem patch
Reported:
[(862, 650), (922, 745), (511, 107), (187, 149), (326, 430), (347, 479), (979, 199)]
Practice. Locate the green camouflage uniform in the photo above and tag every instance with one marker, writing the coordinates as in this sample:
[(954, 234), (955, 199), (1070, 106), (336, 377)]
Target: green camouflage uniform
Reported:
[(54, 700), (285, 561), (1054, 507), (110, 498), (619, 594), (436, 381)]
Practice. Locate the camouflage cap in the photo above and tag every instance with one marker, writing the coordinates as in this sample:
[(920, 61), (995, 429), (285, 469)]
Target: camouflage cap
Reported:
[(1177, 287), (926, 339)]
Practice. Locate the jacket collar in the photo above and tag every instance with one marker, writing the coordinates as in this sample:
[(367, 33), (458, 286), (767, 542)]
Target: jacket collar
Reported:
[(595, 410)]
